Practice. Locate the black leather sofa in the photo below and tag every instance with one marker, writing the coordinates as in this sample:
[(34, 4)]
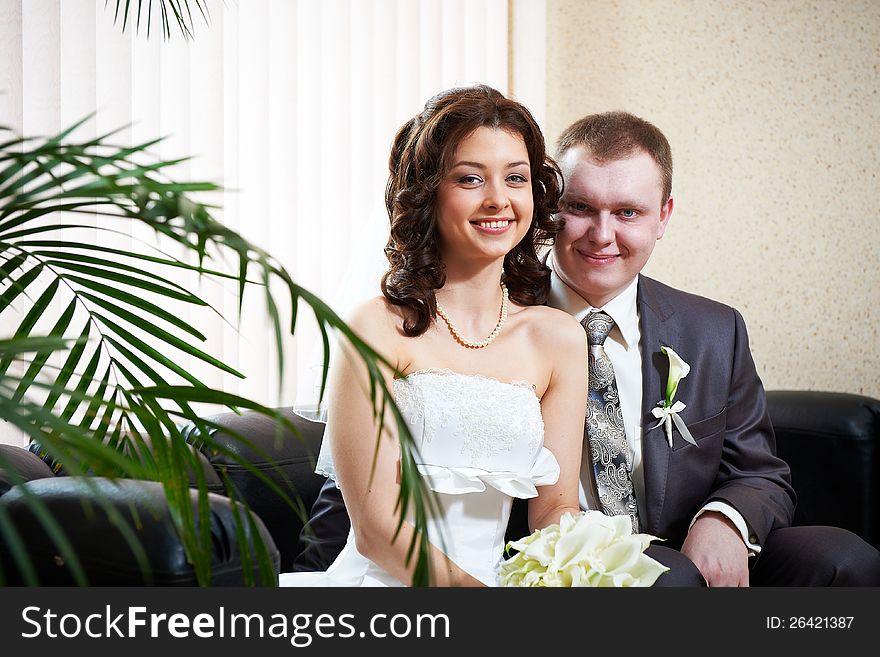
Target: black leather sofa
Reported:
[(89, 510), (831, 441)]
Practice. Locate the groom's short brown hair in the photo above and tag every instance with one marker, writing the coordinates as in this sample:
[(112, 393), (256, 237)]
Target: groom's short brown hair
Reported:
[(613, 136)]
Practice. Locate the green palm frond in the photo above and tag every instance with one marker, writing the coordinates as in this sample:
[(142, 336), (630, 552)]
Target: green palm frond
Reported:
[(96, 340), (170, 12)]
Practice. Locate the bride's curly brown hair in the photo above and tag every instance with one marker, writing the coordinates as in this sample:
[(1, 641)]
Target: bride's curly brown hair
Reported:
[(421, 155)]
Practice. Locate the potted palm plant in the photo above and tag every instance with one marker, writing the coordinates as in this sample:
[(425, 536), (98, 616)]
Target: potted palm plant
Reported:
[(100, 390)]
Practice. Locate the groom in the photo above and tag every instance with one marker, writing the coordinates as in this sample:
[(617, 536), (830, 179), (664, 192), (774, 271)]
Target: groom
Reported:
[(723, 505)]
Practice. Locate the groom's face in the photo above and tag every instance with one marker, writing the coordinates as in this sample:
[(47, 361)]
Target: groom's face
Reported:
[(614, 214)]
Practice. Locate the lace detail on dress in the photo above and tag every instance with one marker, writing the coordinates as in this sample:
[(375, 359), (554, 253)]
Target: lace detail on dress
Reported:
[(470, 417), (441, 371), (474, 411)]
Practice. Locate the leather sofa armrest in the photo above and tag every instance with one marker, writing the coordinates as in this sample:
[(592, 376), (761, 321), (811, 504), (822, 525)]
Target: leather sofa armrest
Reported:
[(212, 481), (831, 441), (285, 458), (18, 465), (90, 512)]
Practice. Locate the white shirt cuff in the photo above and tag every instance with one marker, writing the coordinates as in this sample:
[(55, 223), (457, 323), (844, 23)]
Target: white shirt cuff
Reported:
[(736, 518)]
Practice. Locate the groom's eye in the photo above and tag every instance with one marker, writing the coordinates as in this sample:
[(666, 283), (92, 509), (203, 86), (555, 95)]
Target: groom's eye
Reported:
[(577, 206), (628, 213)]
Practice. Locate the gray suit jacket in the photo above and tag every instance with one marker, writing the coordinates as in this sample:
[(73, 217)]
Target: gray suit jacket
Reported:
[(735, 457)]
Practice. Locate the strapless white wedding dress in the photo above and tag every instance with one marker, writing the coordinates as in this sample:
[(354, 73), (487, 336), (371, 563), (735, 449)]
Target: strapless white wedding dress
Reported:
[(481, 444)]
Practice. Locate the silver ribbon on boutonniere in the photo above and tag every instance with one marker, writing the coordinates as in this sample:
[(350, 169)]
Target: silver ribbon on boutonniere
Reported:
[(667, 410)]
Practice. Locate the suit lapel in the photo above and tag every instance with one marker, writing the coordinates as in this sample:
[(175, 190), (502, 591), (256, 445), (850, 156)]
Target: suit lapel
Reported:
[(655, 331)]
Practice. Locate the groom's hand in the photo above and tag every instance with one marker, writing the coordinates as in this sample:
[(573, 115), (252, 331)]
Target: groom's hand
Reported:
[(717, 549)]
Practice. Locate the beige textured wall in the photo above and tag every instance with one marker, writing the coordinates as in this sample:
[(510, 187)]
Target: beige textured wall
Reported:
[(773, 112)]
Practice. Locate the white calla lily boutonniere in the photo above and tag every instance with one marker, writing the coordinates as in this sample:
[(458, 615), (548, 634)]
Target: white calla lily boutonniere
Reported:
[(667, 409)]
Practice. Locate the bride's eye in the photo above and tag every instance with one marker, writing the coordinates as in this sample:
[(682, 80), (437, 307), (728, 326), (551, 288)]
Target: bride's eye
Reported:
[(470, 179)]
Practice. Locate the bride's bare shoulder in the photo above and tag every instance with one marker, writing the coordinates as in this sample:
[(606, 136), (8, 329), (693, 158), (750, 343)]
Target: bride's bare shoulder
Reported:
[(376, 320)]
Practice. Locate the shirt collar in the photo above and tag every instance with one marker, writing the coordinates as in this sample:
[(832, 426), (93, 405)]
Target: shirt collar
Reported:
[(622, 308)]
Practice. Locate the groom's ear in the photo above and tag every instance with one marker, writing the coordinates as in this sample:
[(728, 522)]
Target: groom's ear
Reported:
[(665, 215)]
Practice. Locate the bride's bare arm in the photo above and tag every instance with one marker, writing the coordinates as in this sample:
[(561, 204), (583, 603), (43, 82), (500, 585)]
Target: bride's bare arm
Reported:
[(563, 406), (371, 495)]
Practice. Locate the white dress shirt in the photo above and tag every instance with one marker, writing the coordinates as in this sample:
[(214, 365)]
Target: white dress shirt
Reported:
[(622, 347)]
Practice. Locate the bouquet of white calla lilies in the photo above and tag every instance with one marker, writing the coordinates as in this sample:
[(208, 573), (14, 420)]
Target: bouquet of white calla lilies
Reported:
[(586, 549)]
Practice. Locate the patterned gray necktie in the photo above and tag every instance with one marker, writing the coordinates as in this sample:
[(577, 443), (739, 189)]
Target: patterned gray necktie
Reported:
[(604, 426)]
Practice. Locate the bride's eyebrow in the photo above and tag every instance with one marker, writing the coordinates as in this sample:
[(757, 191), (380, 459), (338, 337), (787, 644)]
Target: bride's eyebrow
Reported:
[(478, 165)]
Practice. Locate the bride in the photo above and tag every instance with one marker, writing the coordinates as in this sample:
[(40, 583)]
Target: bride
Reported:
[(494, 384)]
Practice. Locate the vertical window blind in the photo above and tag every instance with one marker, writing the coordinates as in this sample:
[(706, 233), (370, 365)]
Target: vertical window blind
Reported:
[(291, 106)]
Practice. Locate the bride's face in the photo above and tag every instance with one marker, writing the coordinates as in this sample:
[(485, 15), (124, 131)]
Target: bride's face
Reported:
[(485, 201)]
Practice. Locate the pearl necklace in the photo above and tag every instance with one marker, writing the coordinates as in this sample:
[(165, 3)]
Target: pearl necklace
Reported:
[(470, 344)]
